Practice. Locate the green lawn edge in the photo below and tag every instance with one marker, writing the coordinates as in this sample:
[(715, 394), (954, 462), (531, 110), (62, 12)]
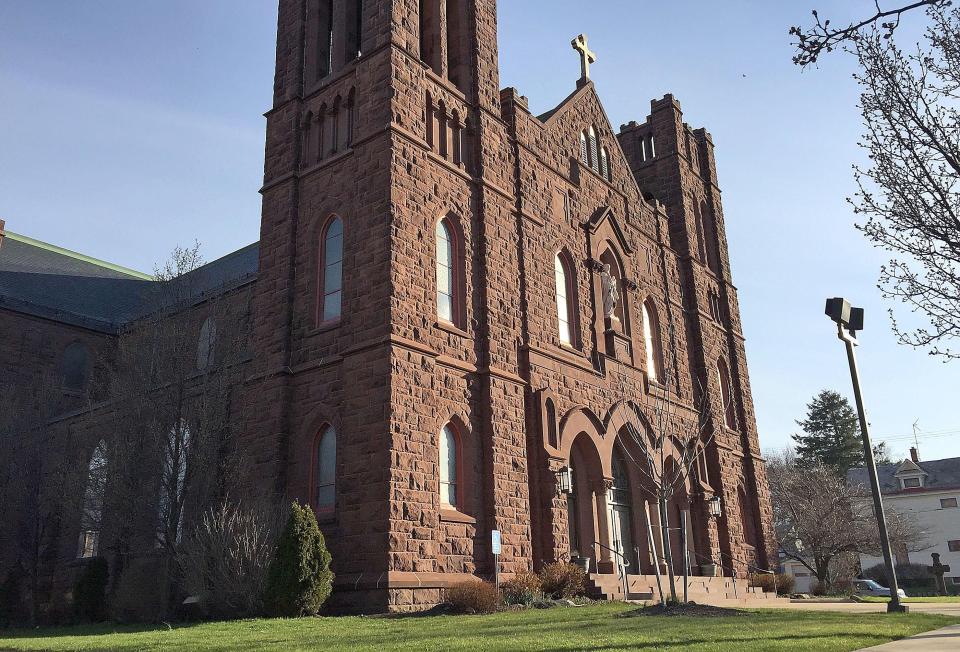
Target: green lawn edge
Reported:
[(560, 629)]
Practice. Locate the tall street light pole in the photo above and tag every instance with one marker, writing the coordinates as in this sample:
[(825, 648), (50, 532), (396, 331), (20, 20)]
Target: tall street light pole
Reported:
[(850, 320)]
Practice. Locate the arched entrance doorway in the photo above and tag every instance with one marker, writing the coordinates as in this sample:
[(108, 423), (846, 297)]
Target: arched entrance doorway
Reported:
[(620, 506), (583, 526)]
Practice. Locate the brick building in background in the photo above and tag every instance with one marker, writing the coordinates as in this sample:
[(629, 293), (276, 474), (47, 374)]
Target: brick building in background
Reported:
[(428, 347)]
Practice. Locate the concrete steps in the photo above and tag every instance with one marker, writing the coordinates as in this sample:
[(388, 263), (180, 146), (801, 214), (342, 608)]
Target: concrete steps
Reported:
[(718, 591)]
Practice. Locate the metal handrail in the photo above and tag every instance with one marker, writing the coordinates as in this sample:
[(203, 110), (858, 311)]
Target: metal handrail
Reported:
[(621, 567)]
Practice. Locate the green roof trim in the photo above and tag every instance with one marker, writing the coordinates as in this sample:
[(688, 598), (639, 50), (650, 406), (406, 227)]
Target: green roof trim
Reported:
[(77, 256)]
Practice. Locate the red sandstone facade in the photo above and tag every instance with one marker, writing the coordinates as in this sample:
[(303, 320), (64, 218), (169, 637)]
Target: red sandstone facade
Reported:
[(399, 124)]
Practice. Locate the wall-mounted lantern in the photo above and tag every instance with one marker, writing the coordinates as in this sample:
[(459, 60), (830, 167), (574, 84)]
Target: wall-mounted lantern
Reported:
[(715, 507), (565, 480)]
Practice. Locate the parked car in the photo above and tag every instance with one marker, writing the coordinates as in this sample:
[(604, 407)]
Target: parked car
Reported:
[(872, 588)]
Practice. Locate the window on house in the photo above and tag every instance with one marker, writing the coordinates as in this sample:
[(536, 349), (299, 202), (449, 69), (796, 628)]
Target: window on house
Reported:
[(325, 471), (947, 503), (911, 483), (565, 307), (331, 271), (726, 394), (205, 343), (448, 466), (76, 363), (91, 515), (953, 545), (651, 341)]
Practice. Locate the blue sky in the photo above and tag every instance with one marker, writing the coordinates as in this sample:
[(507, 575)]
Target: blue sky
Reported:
[(131, 127)]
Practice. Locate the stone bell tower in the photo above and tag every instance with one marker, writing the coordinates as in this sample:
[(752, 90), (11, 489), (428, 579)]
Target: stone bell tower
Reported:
[(386, 126)]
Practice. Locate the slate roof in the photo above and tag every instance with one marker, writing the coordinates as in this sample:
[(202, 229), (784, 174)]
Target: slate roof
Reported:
[(941, 474), (55, 283)]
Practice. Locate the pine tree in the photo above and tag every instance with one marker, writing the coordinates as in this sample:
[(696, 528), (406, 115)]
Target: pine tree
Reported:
[(831, 434), (299, 580)]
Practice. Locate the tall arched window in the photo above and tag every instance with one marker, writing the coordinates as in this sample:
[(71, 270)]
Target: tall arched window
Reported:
[(651, 341), (92, 514), (325, 471), (604, 163), (594, 151), (331, 271), (550, 414), (566, 309), (205, 343), (448, 273), (726, 394), (449, 463), (76, 362), (584, 156)]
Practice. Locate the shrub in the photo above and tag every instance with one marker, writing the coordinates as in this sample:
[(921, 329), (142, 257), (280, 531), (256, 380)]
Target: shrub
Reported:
[(781, 582), (226, 559), (818, 588), (90, 592), (523, 588), (139, 596), (909, 576), (12, 611), (563, 580), (299, 580), (472, 597)]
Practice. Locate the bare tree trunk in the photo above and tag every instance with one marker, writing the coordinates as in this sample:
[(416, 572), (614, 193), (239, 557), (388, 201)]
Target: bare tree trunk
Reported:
[(667, 552)]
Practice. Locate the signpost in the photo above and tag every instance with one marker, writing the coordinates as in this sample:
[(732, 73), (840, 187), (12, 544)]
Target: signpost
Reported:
[(495, 548)]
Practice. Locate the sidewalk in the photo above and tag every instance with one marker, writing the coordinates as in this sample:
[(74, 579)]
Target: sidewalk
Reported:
[(938, 640)]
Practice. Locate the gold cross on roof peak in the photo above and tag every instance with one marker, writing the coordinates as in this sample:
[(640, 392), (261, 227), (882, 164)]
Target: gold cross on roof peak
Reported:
[(586, 57)]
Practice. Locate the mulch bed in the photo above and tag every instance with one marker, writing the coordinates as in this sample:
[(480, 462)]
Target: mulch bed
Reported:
[(688, 609)]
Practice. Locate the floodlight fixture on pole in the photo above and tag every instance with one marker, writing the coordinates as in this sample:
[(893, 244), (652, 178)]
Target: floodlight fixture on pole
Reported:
[(849, 321)]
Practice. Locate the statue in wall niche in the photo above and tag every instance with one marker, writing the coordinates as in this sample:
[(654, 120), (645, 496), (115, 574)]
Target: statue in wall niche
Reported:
[(610, 293)]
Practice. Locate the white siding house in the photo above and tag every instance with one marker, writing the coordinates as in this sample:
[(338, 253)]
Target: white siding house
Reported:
[(931, 491)]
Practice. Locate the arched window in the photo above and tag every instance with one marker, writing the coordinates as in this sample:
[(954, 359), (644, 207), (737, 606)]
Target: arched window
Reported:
[(449, 303), (594, 152), (604, 163), (651, 341), (550, 414), (76, 363), (710, 245), (584, 156), (307, 139), (726, 394), (449, 463), (566, 309), (205, 343), (92, 514), (331, 271), (325, 471)]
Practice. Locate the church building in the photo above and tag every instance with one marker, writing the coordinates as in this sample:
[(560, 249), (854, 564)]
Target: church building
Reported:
[(457, 311)]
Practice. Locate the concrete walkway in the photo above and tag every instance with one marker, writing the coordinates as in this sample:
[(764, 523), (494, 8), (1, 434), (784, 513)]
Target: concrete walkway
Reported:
[(946, 639)]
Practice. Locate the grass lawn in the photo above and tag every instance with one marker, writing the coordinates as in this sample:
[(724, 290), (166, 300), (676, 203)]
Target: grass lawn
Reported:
[(940, 598), (566, 628)]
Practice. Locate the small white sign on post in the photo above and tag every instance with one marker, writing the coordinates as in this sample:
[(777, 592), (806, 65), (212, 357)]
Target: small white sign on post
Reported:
[(495, 547)]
